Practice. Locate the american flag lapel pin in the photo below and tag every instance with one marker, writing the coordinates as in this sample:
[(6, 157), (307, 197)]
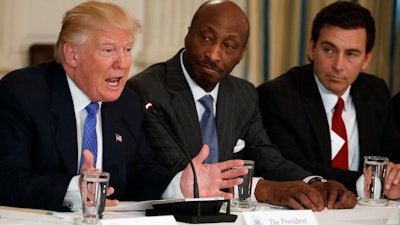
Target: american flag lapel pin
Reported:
[(118, 138)]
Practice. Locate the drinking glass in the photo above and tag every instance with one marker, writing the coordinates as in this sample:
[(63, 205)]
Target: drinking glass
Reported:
[(242, 193), (374, 181), (94, 195)]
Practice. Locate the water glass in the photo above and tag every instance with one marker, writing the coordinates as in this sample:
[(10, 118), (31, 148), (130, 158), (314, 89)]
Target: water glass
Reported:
[(242, 193), (374, 181), (94, 195)]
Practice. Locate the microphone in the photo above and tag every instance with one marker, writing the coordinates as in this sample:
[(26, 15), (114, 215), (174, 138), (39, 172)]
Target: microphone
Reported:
[(149, 107), (189, 210)]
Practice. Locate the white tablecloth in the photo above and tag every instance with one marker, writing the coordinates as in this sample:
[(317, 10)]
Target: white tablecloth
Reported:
[(360, 215)]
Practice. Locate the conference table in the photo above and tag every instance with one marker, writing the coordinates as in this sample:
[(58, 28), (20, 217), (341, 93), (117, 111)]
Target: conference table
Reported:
[(360, 215)]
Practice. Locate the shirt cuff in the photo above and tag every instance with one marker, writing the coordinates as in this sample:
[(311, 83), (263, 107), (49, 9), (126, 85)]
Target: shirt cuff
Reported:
[(360, 186), (253, 188), (72, 198), (307, 179), (173, 190)]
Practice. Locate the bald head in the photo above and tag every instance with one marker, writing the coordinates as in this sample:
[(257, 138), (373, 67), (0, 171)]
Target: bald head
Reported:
[(215, 9), (215, 42)]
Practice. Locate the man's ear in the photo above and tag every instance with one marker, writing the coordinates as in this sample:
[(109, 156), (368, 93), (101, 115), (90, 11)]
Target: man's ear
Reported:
[(186, 37), (70, 54), (310, 50), (242, 54), (366, 61)]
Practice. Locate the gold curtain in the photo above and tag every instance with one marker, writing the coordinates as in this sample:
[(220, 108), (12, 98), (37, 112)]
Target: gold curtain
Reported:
[(255, 49)]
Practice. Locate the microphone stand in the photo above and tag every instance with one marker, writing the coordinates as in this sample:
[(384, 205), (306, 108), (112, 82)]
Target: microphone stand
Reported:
[(195, 210), (149, 107)]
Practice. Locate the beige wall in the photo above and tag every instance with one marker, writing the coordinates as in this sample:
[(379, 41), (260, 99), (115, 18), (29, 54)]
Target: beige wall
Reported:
[(25, 22)]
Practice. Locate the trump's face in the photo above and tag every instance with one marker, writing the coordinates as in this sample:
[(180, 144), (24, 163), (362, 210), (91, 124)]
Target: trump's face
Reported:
[(102, 64)]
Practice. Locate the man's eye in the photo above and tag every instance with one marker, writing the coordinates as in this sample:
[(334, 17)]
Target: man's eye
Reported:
[(206, 38), (128, 50), (327, 50), (352, 54), (230, 46)]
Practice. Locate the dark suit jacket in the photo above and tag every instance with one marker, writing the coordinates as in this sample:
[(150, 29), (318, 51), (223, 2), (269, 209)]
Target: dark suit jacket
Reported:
[(39, 147), (237, 117), (294, 116), (396, 109)]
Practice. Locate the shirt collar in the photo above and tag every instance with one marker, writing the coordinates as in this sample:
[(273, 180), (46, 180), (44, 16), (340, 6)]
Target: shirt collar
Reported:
[(329, 99), (197, 91), (79, 99)]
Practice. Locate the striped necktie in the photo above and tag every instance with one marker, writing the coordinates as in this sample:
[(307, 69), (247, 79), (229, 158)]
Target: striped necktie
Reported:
[(208, 128)]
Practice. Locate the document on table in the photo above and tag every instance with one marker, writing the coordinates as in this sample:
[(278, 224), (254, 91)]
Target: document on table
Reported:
[(131, 206)]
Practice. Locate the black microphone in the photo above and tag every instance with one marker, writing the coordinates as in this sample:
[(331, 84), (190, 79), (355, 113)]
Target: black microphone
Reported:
[(150, 108), (189, 210)]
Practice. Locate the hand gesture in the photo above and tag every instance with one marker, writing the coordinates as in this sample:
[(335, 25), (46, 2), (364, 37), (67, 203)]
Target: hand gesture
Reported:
[(87, 165), (211, 178)]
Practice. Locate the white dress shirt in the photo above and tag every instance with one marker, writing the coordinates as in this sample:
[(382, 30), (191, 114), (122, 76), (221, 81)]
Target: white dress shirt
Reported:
[(72, 198)]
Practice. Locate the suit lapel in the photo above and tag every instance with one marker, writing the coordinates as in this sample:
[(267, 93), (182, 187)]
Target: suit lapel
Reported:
[(113, 147), (363, 119), (187, 125), (63, 121), (315, 112), (225, 120)]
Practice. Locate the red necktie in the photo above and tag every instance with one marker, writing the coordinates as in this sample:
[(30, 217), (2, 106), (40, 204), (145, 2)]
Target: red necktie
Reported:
[(341, 159)]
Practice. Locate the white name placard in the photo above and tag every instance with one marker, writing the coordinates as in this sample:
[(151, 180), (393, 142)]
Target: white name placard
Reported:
[(277, 217), (148, 220)]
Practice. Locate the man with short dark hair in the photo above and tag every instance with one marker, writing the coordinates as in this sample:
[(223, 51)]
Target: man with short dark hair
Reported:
[(303, 109)]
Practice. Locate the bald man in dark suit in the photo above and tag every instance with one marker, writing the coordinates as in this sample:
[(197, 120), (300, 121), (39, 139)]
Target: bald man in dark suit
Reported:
[(214, 45)]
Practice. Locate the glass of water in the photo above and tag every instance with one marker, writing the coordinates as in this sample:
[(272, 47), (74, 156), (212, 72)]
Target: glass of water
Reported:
[(374, 181), (94, 195), (242, 192)]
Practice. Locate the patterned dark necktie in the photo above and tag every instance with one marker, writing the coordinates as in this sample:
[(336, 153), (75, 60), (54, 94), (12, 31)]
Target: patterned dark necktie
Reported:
[(208, 128)]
